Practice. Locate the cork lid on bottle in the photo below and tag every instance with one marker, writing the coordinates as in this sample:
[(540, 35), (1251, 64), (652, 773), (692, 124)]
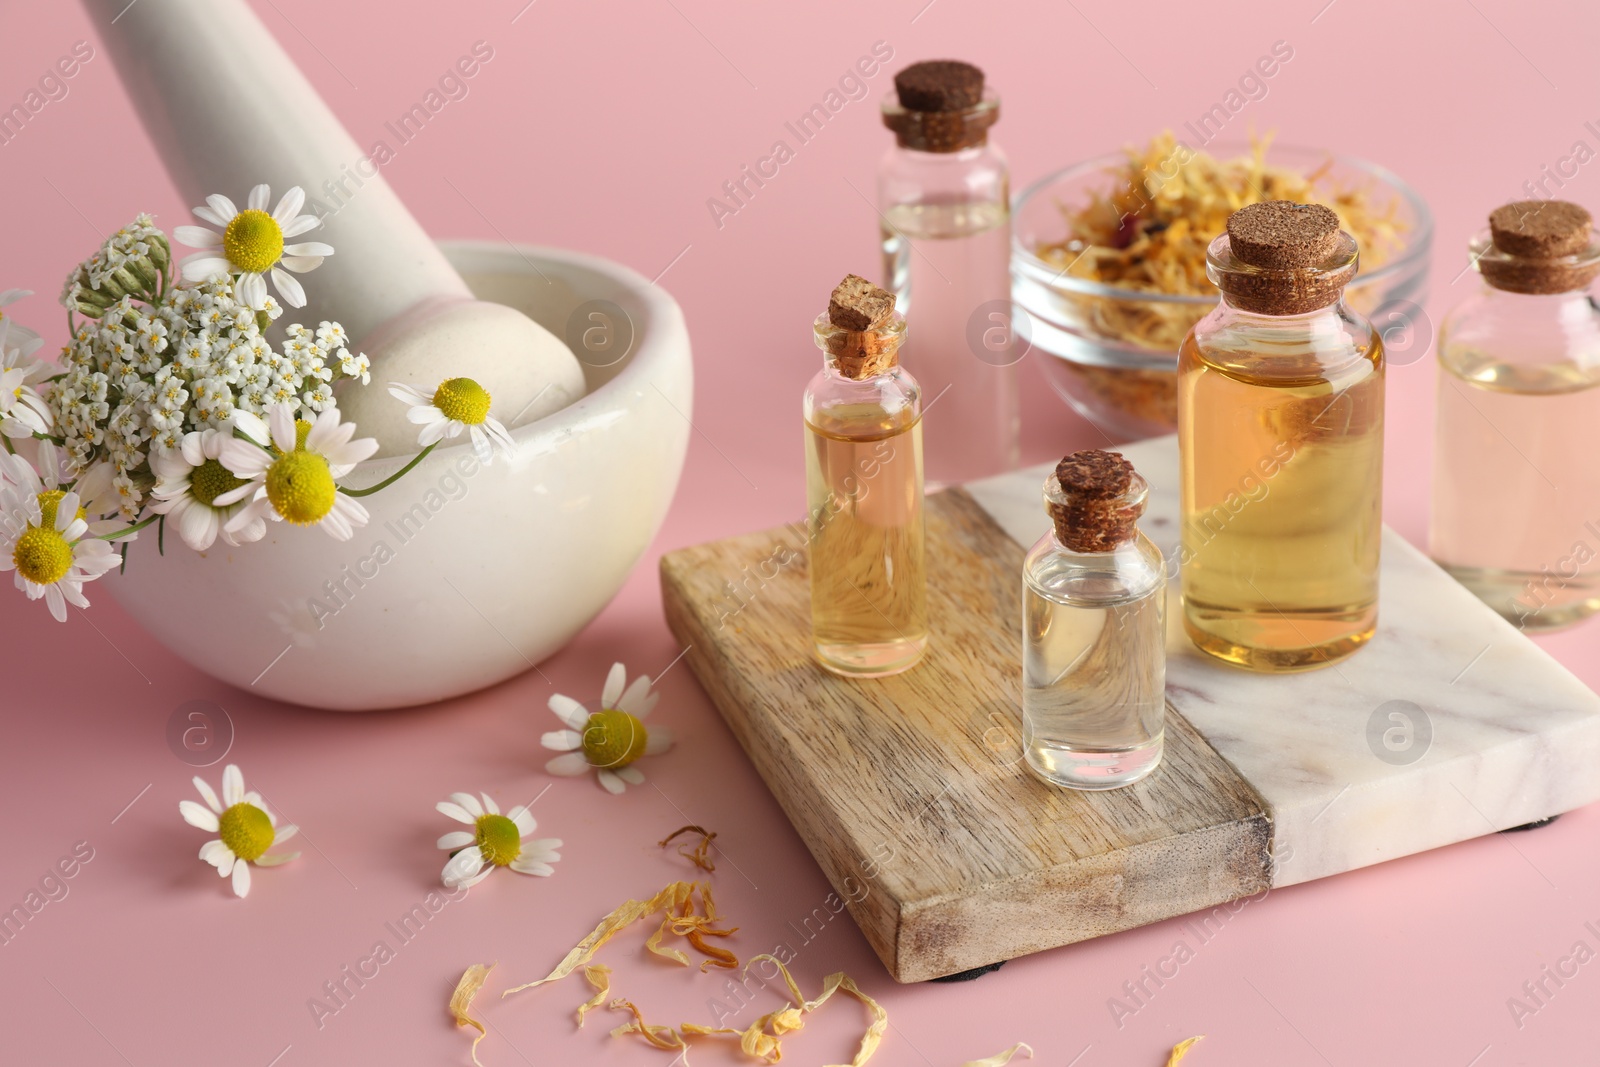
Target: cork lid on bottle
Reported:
[(1538, 246), (860, 331), (1095, 499), (940, 106), (1279, 257)]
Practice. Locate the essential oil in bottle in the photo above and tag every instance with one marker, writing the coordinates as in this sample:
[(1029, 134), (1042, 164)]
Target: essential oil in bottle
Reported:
[(944, 198), (1093, 630), (1516, 482), (863, 412), (1280, 435)]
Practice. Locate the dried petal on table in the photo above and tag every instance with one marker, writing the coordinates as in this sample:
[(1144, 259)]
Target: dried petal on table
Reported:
[(472, 980), (662, 1037), (700, 855), (1181, 1049), (599, 978), (1000, 1059)]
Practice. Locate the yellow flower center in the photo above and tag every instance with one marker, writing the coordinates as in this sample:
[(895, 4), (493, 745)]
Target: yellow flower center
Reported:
[(498, 839), (613, 738), (300, 487), (48, 502), (246, 830), (210, 480), (462, 400), (42, 555), (253, 241)]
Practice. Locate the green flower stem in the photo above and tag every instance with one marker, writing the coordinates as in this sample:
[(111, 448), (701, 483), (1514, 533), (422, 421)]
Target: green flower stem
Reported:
[(395, 477), (135, 528)]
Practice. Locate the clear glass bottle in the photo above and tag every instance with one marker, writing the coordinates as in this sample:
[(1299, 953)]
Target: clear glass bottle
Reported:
[(863, 415), (1516, 482), (944, 200), (1093, 630), (1280, 434)]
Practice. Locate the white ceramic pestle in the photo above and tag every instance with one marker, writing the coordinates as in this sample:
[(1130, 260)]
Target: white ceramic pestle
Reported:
[(228, 109)]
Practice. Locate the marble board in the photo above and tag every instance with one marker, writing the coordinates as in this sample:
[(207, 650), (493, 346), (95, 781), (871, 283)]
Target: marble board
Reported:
[(911, 794)]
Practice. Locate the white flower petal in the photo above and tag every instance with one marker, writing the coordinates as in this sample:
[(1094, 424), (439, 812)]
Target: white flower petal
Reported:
[(241, 879), (215, 852), (457, 839), (232, 785), (632, 699), (221, 207), (196, 815), (284, 832), (462, 866), (569, 711), (657, 740), (197, 236), (260, 197), (275, 859), (252, 290), (469, 802), (569, 765), (610, 781), (289, 206), (308, 248), (208, 794), (203, 266), (613, 688), (298, 225), (562, 740), (292, 291), (523, 818), (456, 812), (489, 804), (529, 865), (631, 775)]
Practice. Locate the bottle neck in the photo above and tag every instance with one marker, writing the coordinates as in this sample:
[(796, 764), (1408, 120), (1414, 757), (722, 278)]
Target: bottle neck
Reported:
[(941, 132), (1087, 525), (860, 354)]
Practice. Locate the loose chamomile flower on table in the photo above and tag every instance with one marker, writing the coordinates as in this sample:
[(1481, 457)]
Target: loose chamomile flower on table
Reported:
[(251, 244), (458, 404), (23, 412), (495, 840), (611, 739), (46, 540), (245, 829), (288, 470), (189, 479)]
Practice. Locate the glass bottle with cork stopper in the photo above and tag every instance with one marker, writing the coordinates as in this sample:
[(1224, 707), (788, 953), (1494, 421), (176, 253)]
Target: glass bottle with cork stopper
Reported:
[(944, 198), (1516, 486), (863, 415), (1280, 435), (1093, 630)]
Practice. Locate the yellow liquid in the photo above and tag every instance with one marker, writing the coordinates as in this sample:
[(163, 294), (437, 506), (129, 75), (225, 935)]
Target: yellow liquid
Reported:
[(869, 602), (1282, 467)]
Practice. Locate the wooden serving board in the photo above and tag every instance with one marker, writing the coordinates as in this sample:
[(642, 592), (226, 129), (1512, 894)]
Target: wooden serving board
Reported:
[(911, 792)]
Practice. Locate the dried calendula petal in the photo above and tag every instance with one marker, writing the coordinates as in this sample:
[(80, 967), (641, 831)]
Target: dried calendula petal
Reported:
[(1000, 1059), (1181, 1049), (599, 979), (662, 1037), (626, 914), (699, 854), (792, 1018), (472, 980)]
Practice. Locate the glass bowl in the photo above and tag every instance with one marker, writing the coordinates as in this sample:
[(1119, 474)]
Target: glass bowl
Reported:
[(1125, 384)]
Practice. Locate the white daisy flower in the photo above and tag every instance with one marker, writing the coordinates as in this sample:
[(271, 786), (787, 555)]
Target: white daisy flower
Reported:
[(251, 244), (495, 840), (23, 337), (611, 739), (189, 479), (23, 412), (289, 474), (245, 827), (458, 404), (46, 541)]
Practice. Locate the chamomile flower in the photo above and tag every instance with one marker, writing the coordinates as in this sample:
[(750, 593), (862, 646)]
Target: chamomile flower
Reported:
[(244, 825), (495, 840), (251, 244), (288, 470), (189, 479), (458, 404), (610, 740), (20, 335), (23, 412), (45, 539)]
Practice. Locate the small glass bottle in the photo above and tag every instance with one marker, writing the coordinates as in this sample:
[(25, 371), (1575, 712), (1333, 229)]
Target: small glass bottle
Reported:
[(944, 200), (1280, 437), (863, 414), (1093, 630), (1516, 482)]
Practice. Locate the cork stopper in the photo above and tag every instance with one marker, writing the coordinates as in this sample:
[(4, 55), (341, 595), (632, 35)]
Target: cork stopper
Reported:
[(1282, 258), (860, 331), (939, 106), (1095, 499), (1538, 246), (939, 85)]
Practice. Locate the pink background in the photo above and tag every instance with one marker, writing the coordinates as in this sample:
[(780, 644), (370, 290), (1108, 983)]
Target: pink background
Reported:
[(605, 127)]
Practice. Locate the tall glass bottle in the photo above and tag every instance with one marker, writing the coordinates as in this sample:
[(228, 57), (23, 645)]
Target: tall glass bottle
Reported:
[(1516, 481), (1093, 630), (944, 199), (1280, 434), (863, 415)]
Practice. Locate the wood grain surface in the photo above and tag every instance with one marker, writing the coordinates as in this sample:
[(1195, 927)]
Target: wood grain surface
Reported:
[(911, 791)]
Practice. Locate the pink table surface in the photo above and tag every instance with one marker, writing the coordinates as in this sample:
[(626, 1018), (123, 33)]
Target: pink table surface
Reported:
[(606, 127)]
